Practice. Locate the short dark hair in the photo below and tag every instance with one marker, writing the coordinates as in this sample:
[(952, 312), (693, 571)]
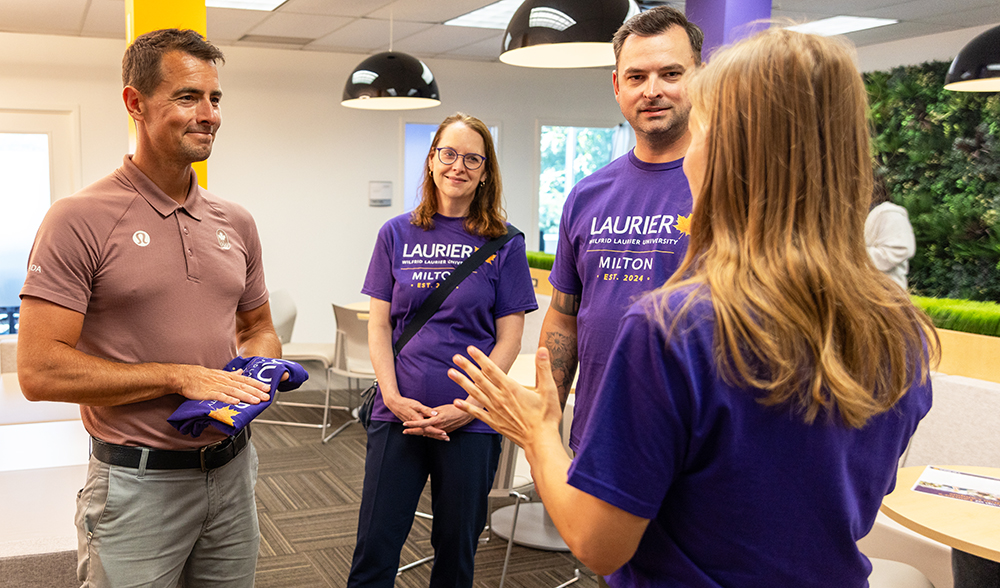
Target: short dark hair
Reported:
[(656, 21), (141, 63)]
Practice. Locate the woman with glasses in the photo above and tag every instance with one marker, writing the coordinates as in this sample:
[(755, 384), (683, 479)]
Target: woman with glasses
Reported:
[(754, 408), (416, 431)]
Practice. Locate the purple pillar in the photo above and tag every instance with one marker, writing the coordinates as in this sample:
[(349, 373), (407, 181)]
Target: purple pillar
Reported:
[(725, 21)]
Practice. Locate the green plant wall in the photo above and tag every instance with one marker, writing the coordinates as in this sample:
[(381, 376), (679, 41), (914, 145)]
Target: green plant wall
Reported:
[(940, 153)]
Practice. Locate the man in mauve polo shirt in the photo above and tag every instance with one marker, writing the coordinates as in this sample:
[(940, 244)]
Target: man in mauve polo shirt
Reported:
[(140, 288)]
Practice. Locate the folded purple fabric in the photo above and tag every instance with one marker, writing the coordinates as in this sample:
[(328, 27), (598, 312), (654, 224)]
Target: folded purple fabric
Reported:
[(193, 416)]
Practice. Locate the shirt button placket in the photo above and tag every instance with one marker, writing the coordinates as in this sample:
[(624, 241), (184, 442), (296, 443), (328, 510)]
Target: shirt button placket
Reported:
[(188, 244)]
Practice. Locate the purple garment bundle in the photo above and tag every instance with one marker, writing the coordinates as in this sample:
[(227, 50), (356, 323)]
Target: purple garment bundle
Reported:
[(193, 416)]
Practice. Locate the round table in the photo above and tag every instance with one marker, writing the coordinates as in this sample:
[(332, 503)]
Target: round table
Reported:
[(966, 526)]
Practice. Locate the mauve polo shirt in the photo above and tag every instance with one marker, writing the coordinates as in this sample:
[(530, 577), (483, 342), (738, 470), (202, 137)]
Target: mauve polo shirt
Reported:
[(157, 281)]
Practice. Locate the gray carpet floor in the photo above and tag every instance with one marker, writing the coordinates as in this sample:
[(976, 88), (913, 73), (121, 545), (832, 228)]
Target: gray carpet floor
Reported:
[(308, 494)]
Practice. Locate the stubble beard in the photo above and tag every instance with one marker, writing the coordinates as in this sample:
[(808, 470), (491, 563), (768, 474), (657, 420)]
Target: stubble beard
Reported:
[(197, 152), (663, 134)]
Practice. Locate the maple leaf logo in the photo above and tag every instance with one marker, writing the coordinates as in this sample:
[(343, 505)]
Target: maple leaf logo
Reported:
[(224, 415), (683, 224)]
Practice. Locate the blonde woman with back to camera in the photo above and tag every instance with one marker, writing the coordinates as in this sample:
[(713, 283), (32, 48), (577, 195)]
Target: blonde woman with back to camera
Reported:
[(755, 406)]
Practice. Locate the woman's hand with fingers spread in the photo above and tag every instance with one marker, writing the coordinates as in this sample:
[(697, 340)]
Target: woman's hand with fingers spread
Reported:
[(511, 409)]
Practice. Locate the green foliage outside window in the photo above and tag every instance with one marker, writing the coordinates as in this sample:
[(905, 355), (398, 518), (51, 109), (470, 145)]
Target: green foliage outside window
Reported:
[(940, 153), (591, 151)]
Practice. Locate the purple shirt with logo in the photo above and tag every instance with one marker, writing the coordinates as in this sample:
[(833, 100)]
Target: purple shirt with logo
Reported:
[(623, 233), (738, 494), (407, 264)]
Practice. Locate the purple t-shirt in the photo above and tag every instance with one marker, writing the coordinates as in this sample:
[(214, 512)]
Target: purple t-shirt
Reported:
[(407, 264), (738, 494), (624, 230)]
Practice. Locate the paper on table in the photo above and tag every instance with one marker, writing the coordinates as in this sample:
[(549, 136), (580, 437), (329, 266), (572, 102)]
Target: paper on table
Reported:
[(959, 485)]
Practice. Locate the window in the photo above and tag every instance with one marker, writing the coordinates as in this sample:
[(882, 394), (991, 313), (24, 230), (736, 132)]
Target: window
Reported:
[(37, 165), (569, 154)]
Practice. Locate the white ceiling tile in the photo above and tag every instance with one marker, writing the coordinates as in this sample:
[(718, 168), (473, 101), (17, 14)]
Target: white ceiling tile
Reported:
[(441, 39), (332, 7), (105, 18), (42, 16), (428, 10), (362, 26), (227, 25), (305, 26), (844, 7), (367, 35), (975, 12), (971, 18), (895, 32), (486, 50)]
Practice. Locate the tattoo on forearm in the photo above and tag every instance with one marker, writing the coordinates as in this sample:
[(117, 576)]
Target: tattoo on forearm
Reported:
[(566, 303), (564, 359)]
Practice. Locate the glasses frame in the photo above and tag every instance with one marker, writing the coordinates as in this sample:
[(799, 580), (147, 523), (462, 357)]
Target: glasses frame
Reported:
[(465, 161)]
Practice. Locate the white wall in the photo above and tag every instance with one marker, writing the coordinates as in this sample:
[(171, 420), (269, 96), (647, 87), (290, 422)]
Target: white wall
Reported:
[(298, 160)]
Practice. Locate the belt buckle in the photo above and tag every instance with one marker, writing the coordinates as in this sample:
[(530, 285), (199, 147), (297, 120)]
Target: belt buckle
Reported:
[(201, 453)]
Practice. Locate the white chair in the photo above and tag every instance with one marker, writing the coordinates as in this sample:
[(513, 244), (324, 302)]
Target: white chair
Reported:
[(352, 360), (283, 314), (894, 574)]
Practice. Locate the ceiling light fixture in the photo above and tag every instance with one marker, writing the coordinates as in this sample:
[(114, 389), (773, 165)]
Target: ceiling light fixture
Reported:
[(841, 25), (492, 16), (267, 5), (977, 66), (565, 33), (391, 81)]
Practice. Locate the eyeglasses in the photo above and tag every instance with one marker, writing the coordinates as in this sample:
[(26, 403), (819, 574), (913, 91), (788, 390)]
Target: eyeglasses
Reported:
[(448, 156)]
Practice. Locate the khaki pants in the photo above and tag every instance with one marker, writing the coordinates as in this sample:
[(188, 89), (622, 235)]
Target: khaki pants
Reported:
[(164, 528)]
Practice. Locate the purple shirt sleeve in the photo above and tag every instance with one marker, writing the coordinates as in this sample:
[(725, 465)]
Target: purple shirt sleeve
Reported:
[(640, 404)]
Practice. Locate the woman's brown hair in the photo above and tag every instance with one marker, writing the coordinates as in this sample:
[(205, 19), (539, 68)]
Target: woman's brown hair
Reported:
[(777, 234), (486, 217)]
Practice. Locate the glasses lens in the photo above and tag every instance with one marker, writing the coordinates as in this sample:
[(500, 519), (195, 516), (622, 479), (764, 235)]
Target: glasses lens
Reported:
[(447, 156), (473, 161)]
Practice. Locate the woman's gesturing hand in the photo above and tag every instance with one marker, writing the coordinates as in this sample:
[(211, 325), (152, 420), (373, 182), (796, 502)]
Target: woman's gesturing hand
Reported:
[(511, 409)]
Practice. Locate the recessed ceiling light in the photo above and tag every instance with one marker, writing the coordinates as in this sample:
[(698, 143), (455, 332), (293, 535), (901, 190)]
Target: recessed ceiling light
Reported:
[(245, 4), (839, 25), (494, 16)]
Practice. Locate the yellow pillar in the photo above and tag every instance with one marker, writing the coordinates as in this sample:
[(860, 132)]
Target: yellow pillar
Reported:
[(143, 16)]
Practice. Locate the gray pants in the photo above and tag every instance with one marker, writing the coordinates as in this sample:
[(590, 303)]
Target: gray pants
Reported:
[(970, 571), (164, 528)]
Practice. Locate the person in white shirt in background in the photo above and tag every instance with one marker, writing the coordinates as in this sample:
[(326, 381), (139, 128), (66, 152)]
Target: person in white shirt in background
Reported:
[(889, 235)]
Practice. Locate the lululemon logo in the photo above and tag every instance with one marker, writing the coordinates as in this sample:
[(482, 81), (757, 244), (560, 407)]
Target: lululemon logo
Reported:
[(223, 239), (140, 238)]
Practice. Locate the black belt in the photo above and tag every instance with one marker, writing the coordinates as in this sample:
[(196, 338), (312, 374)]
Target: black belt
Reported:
[(207, 458)]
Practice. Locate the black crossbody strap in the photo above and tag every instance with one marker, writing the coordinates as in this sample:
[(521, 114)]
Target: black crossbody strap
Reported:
[(464, 270)]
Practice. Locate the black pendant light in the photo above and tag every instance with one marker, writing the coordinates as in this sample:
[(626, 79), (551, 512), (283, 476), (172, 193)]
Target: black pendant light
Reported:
[(977, 66), (391, 81), (565, 33)]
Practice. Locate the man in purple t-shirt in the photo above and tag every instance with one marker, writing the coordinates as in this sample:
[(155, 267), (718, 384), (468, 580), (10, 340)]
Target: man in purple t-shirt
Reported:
[(624, 228)]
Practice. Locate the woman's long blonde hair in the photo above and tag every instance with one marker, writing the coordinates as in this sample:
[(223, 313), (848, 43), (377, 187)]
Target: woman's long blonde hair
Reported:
[(486, 217), (777, 234)]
